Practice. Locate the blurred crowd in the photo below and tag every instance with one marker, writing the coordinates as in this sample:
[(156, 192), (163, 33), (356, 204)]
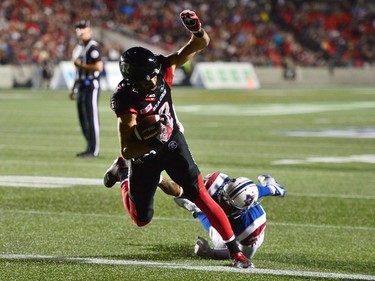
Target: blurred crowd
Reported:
[(264, 32)]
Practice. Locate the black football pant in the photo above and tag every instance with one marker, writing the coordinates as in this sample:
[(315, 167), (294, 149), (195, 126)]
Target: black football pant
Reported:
[(175, 158)]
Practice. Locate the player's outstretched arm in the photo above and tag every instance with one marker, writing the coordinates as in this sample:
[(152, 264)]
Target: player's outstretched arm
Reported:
[(198, 41), (275, 188)]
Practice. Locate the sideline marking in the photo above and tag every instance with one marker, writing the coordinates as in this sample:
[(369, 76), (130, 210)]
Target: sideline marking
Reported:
[(59, 182), (189, 267), (272, 109), (365, 158), (334, 133), (46, 182)]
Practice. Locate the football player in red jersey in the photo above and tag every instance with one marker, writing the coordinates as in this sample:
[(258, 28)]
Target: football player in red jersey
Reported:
[(238, 197), (146, 90)]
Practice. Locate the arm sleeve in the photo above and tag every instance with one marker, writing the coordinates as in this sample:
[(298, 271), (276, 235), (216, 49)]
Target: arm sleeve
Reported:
[(166, 70), (263, 191)]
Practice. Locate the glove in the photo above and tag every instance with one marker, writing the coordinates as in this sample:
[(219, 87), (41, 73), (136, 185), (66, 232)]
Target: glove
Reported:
[(266, 180), (191, 21), (276, 189), (165, 128), (160, 132)]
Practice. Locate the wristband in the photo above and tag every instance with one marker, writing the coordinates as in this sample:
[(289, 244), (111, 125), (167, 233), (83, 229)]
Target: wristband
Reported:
[(181, 192), (199, 34)]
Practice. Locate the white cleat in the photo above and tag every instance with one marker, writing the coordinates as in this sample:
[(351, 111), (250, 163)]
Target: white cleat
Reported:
[(188, 205)]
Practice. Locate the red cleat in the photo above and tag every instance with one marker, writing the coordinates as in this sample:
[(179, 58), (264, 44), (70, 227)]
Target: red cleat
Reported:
[(239, 260)]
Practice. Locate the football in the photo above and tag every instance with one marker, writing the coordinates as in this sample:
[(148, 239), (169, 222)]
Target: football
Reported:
[(148, 127)]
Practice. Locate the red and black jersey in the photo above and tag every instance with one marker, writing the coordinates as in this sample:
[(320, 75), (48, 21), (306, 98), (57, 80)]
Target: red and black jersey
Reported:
[(129, 99)]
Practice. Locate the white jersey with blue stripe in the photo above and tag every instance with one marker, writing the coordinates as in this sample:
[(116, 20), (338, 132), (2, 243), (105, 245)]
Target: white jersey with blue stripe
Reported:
[(250, 224)]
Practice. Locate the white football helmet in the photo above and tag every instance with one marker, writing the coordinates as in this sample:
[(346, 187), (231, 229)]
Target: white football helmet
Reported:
[(240, 194)]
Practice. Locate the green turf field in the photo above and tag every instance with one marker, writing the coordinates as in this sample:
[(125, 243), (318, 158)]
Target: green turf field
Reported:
[(319, 143)]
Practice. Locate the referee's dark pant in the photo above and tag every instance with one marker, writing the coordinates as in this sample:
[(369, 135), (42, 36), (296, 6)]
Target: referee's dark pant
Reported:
[(87, 104)]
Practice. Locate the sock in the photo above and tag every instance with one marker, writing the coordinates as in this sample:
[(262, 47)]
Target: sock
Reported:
[(204, 221), (233, 247)]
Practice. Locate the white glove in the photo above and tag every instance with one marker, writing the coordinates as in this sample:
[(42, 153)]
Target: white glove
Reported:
[(275, 188)]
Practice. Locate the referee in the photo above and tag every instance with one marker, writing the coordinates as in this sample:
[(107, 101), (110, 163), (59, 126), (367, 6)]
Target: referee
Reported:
[(89, 65)]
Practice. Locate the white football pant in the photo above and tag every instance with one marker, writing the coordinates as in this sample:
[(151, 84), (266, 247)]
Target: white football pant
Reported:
[(249, 251)]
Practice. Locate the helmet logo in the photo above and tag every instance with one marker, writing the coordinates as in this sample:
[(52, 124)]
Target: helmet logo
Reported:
[(249, 199), (114, 104), (124, 68), (242, 191)]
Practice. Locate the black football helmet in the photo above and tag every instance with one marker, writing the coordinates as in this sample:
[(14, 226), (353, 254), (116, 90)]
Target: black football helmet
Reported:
[(138, 64)]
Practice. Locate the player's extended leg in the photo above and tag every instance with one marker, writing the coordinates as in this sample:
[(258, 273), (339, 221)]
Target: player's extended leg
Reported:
[(131, 208), (195, 191), (138, 192), (214, 212), (219, 221), (128, 204), (139, 203), (219, 251)]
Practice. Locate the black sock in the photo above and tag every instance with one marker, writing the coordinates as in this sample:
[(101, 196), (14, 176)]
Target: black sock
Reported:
[(233, 247)]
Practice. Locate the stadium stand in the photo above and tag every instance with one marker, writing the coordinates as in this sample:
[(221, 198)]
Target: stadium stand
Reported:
[(264, 32)]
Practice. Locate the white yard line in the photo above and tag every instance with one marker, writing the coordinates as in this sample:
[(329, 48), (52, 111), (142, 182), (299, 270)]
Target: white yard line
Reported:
[(272, 109), (189, 267), (46, 182), (60, 182), (365, 158)]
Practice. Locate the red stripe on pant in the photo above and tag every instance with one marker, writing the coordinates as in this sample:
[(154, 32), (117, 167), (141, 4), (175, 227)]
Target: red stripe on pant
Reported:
[(129, 205), (252, 237)]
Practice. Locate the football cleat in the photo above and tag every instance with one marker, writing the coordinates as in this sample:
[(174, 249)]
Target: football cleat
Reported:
[(81, 153), (86, 154), (188, 205), (276, 188), (202, 248), (239, 260), (115, 173)]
